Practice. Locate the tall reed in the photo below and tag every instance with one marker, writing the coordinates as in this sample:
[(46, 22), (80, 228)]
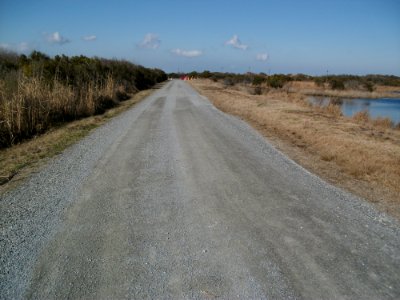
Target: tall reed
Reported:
[(30, 105)]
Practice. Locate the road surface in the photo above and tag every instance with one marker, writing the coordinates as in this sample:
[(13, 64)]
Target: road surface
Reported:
[(177, 200)]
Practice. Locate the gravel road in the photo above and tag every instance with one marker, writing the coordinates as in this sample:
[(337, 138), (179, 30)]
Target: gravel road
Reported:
[(176, 200)]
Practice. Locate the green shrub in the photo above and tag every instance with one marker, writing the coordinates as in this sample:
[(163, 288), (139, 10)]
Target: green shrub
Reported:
[(277, 80), (300, 77), (336, 84), (319, 81), (259, 79), (214, 78), (104, 103), (369, 86), (205, 74)]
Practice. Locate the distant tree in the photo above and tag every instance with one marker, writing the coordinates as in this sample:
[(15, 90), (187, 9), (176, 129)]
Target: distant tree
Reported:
[(193, 74), (300, 77), (369, 86), (259, 79), (277, 80), (336, 84), (38, 56), (8, 61), (206, 74), (319, 81), (175, 75)]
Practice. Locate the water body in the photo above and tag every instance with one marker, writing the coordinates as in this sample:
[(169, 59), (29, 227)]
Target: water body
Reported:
[(382, 107)]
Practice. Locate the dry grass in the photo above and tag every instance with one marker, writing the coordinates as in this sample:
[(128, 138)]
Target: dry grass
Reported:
[(310, 88), (364, 118), (353, 153), (33, 105), (384, 123), (361, 117), (20, 160)]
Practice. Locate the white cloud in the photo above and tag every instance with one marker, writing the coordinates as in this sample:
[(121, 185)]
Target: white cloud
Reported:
[(22, 47), (89, 38), (5, 46), (187, 53), (236, 43), (262, 56), (150, 41), (57, 38)]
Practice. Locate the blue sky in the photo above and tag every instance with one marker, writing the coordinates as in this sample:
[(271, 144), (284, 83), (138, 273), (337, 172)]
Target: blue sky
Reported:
[(288, 36)]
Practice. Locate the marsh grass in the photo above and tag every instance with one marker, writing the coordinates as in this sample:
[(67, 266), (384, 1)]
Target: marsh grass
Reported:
[(333, 109), (362, 117), (35, 105)]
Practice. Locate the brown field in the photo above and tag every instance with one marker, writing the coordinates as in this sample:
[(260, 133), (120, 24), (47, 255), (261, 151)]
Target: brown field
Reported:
[(17, 162), (358, 154), (310, 88)]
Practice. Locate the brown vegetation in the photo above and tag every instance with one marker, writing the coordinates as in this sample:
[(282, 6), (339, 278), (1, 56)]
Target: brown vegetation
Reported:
[(312, 88), (358, 154), (34, 106), (20, 160), (39, 92)]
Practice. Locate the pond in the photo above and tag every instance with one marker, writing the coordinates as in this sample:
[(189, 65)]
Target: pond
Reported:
[(382, 107)]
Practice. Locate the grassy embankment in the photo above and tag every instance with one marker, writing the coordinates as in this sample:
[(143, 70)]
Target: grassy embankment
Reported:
[(48, 103), (357, 154)]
